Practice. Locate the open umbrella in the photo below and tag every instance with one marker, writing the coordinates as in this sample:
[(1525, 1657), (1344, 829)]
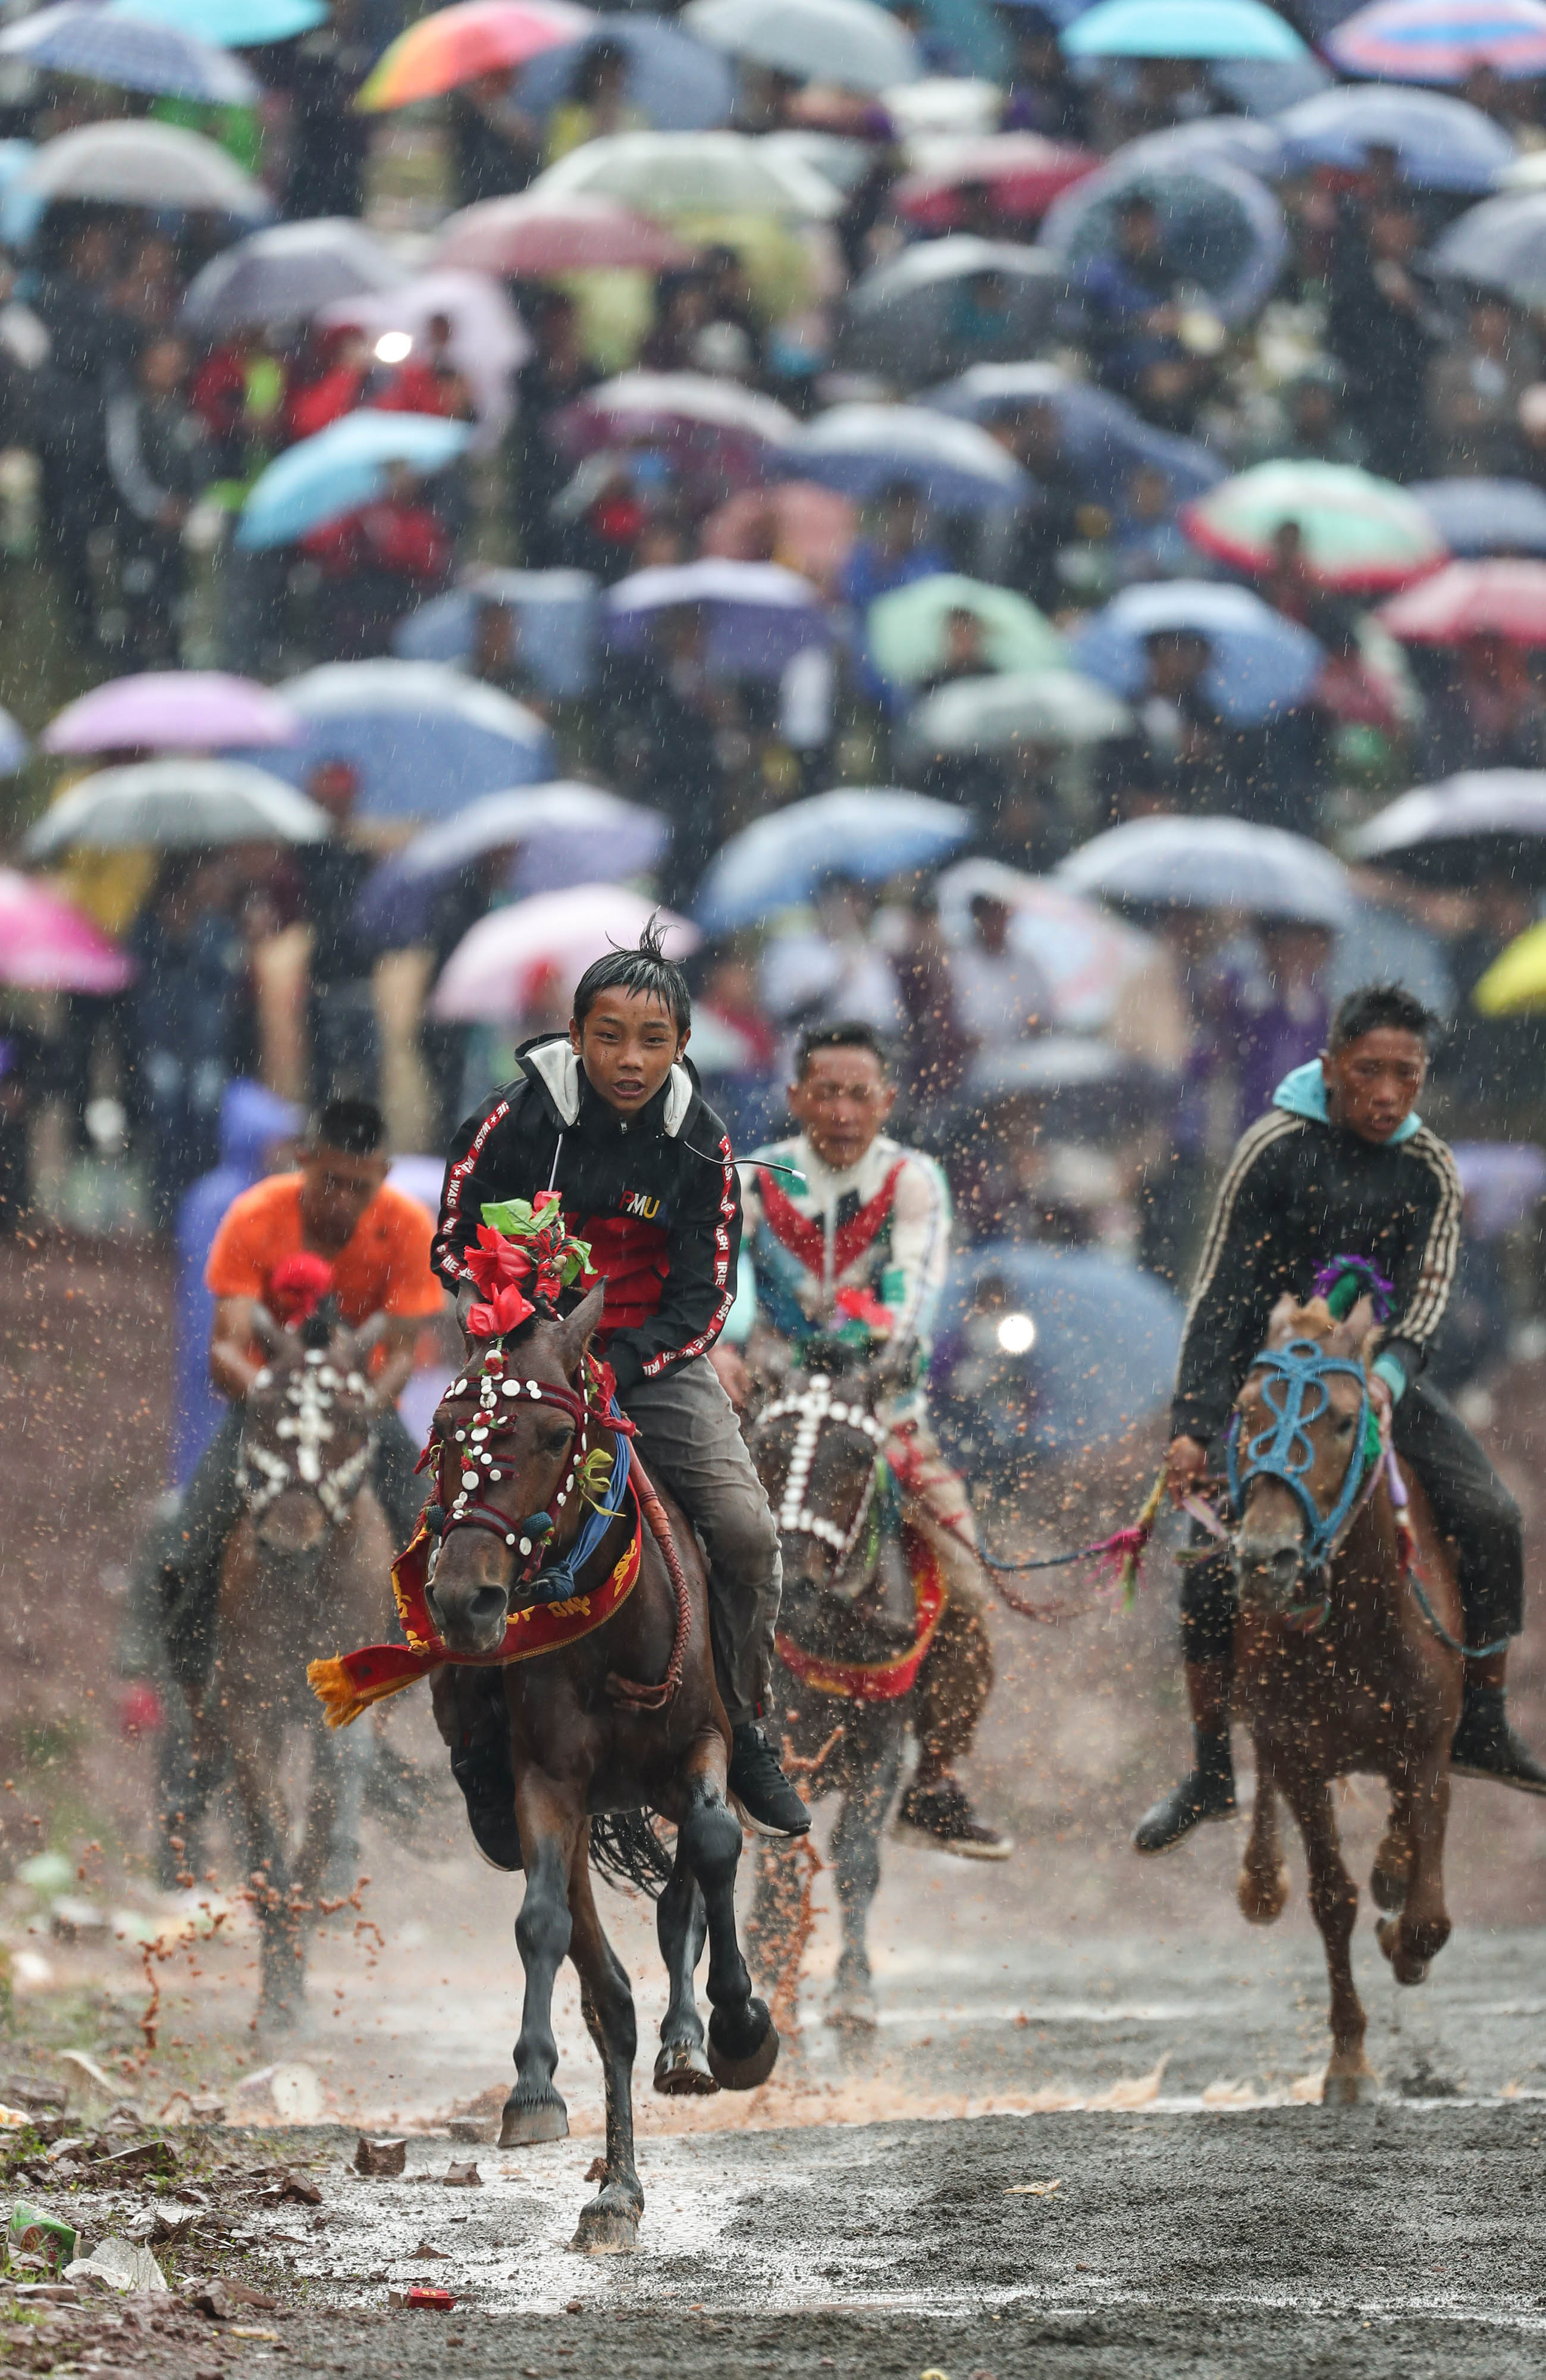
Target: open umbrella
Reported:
[(79, 37), (529, 237), (175, 806), (866, 833), (691, 174), (1036, 705), (1085, 954), (1102, 437), (1180, 29), (677, 84), (561, 835), (859, 449), (1251, 146), (1262, 662), (284, 273), (1442, 41), (1485, 517), (425, 739), (553, 625), (1472, 598), (471, 38), (47, 945), (1021, 172), (133, 164), (1361, 535), (512, 956), (1515, 982), (1212, 863), (809, 530), (712, 426), (1485, 822), (232, 24), (1441, 143), (759, 615), (1224, 230), (851, 42), (173, 710), (907, 631), (342, 467), (1500, 244), (489, 342), (14, 746), (908, 317)]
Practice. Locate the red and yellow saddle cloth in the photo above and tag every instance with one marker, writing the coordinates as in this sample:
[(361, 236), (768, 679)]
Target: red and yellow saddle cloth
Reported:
[(878, 1682), (351, 1682)]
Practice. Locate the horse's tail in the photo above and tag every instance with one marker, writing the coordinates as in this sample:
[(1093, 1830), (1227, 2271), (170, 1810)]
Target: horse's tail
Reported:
[(626, 1848)]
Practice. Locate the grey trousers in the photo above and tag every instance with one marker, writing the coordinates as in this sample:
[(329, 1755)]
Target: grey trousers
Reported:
[(690, 1441)]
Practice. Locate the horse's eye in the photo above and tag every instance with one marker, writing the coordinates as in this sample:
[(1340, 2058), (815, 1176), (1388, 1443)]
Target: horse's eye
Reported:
[(553, 1441), (1344, 1427)]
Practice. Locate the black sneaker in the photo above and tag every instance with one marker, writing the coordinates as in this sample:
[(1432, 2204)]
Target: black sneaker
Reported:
[(769, 1801), (483, 1773), (1485, 1745), (1203, 1794), (942, 1814)]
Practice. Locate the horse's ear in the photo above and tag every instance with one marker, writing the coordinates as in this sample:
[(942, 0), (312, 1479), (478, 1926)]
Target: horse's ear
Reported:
[(371, 1333), (1352, 1335), (1285, 1314), (580, 1327), (266, 1330)]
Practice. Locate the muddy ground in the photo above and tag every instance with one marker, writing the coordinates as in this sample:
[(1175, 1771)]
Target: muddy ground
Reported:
[(1072, 2017)]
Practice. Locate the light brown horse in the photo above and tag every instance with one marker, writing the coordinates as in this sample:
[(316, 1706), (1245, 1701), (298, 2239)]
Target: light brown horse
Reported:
[(1336, 1667), (302, 1571)]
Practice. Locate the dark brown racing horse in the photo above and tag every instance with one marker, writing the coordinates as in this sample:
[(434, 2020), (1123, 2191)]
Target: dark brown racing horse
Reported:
[(1339, 1669), (626, 1719)]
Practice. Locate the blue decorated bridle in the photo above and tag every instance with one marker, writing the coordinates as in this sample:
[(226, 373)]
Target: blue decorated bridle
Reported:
[(1296, 1375)]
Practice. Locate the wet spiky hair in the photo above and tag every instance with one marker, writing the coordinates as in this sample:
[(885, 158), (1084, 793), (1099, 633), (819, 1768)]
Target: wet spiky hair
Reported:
[(644, 968)]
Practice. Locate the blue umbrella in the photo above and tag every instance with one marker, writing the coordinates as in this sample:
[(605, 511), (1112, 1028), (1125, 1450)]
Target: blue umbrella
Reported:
[(231, 24), (1261, 87), (869, 834), (1484, 516), (677, 84), (554, 615), (1240, 140), (79, 37), (1224, 230), (342, 467), (1212, 863), (1105, 438), (1075, 1301), (1180, 29), (560, 834), (1442, 143), (859, 449), (14, 747), (1262, 662), (425, 739)]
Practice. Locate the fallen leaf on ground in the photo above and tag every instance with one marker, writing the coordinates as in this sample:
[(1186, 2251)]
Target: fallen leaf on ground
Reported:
[(462, 2177), (1033, 2189), (1133, 2091), (383, 2156), (417, 2255)]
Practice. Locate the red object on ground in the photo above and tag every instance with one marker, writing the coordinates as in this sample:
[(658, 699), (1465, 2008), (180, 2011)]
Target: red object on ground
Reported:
[(421, 2298), (1021, 172), (1471, 599)]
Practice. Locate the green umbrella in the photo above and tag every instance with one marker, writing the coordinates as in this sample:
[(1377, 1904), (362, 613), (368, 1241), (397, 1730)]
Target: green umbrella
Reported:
[(1361, 535), (1043, 706), (910, 633)]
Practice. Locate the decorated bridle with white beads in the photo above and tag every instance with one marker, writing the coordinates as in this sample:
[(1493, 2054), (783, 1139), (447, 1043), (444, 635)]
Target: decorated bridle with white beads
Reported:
[(311, 1395), (814, 1407)]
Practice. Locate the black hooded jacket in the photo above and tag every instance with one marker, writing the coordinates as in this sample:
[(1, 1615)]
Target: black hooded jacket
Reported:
[(656, 1196)]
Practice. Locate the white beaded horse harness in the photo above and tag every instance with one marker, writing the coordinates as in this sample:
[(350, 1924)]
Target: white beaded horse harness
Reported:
[(816, 1406), (310, 1396)]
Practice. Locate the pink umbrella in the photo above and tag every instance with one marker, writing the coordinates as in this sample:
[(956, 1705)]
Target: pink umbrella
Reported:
[(173, 710), (1021, 172), (529, 237), (46, 945), (512, 958)]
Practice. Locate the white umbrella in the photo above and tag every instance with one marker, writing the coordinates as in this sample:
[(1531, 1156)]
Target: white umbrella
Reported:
[(641, 399), (851, 42), (986, 714), (859, 449), (1214, 863), (177, 805), (563, 815), (1086, 955), (499, 967), (284, 273), (489, 341), (138, 164), (692, 173)]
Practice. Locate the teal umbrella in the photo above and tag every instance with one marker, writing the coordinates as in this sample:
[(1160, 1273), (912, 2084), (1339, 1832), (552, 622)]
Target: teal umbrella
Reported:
[(229, 24), (342, 467), (1181, 29)]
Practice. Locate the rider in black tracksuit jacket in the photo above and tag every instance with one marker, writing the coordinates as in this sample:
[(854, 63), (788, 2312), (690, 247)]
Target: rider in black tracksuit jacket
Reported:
[(1301, 1189)]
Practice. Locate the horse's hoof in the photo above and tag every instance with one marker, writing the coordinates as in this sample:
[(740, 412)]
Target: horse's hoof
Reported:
[(525, 2123), (1262, 1900), (737, 2068), (608, 2227), (1408, 1965), (1388, 1889), (1350, 2090), (682, 2072)]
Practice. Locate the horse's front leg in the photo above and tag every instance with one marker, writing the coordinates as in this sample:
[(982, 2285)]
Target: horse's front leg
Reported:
[(1413, 1939), (611, 2221), (1334, 1898), (856, 1866), (743, 2037), (680, 1926), (1263, 1888), (551, 1820), (258, 1772)]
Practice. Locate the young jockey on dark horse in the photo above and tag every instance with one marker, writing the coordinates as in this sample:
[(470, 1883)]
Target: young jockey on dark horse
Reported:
[(1342, 1165), (611, 1120)]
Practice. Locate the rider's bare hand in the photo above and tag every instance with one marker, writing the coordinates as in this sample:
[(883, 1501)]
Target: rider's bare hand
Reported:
[(734, 1378), (1186, 1460)]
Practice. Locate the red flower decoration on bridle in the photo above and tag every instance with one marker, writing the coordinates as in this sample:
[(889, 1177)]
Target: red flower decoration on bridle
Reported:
[(297, 1286), (506, 1310), (497, 1263)]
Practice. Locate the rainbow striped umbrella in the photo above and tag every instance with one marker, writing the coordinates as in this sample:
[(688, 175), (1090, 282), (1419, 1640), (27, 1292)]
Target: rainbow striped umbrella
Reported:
[(476, 37), (1361, 535), (1442, 41)]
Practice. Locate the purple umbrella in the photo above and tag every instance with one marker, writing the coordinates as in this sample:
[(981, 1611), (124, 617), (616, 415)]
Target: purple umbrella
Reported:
[(759, 615), (173, 710)]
